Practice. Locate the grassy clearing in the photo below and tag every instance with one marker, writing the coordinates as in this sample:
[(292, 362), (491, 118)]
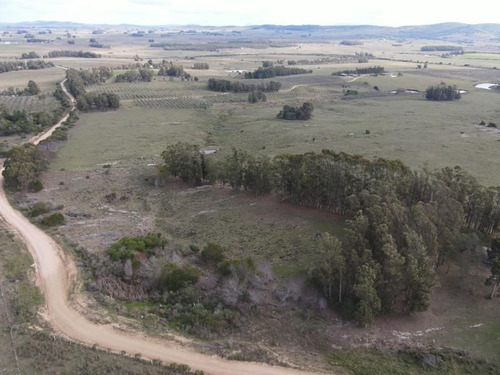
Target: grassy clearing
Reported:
[(472, 319), (480, 56), (408, 362), (128, 137), (262, 228), (419, 132), (46, 79)]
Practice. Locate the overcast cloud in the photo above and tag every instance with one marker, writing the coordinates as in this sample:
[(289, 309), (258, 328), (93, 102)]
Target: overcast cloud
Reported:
[(226, 12)]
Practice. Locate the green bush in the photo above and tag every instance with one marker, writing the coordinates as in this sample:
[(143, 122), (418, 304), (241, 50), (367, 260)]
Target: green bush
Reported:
[(27, 302), (35, 186), (127, 247), (53, 220), (174, 278), (240, 267), (212, 253), (40, 208)]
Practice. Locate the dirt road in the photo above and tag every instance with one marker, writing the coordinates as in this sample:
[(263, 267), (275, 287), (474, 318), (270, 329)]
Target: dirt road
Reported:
[(55, 274)]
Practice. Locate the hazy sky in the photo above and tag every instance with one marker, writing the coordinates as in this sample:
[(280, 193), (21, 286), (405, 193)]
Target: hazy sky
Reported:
[(226, 12)]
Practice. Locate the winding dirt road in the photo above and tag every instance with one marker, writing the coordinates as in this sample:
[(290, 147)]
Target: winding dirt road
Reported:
[(56, 272)]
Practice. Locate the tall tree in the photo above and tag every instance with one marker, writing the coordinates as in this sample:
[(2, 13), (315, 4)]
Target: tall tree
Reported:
[(368, 304), (331, 266), (494, 279)]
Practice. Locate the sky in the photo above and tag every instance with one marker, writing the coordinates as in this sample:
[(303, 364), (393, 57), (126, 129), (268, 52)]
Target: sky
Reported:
[(253, 12)]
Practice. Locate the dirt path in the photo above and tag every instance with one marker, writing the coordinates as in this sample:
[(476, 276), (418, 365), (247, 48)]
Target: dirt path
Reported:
[(293, 88), (43, 136), (56, 272), (358, 77)]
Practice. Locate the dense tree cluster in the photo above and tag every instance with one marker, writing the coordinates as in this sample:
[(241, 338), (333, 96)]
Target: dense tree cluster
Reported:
[(172, 70), (442, 48), (98, 101), (296, 113), (142, 75), (359, 71), (68, 53), (257, 96), (21, 122), (7, 66), (224, 85), (79, 79), (98, 45), (30, 55), (23, 166), (351, 43), (358, 56), (402, 224), (442, 93), (76, 82), (275, 71), (201, 66)]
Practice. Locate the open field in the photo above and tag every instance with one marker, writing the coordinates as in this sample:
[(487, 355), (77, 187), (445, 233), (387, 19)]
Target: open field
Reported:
[(405, 127), (46, 79)]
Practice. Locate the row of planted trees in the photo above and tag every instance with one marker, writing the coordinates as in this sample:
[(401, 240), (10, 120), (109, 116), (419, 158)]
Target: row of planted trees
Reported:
[(402, 224)]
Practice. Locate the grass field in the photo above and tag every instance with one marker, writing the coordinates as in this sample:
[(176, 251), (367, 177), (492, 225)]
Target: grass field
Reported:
[(407, 127), (46, 79)]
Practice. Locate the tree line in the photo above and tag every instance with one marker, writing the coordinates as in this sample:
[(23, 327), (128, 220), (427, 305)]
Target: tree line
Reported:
[(170, 69), (275, 71), (142, 75), (7, 66), (442, 48), (359, 71), (76, 82), (21, 122), (224, 85), (23, 167), (296, 113), (30, 55), (442, 93), (402, 224), (201, 66), (68, 53)]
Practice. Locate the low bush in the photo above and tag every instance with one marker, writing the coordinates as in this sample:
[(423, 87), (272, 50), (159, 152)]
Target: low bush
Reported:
[(53, 220)]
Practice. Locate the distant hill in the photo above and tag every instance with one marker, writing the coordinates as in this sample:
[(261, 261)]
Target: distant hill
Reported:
[(451, 31)]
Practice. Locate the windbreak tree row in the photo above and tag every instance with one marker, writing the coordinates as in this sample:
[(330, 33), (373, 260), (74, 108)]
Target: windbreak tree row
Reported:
[(401, 224)]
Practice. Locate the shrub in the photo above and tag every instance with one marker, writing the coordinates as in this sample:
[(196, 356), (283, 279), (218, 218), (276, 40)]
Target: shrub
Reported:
[(35, 186), (212, 253), (174, 278), (40, 208), (53, 220), (239, 267), (127, 247)]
